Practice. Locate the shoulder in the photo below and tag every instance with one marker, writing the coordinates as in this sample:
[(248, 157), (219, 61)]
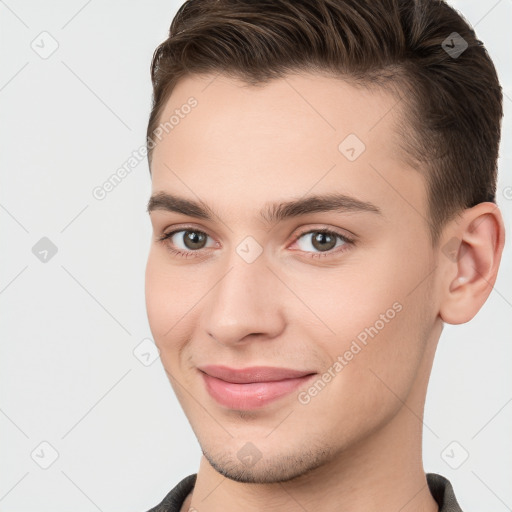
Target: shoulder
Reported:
[(442, 491), (440, 488), (173, 501)]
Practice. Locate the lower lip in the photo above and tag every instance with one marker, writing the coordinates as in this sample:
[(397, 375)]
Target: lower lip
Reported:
[(253, 395)]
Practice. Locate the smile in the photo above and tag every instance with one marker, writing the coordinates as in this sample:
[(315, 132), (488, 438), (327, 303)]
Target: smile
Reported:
[(251, 388)]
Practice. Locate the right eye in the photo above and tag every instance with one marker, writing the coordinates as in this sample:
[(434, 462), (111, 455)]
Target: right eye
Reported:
[(183, 242)]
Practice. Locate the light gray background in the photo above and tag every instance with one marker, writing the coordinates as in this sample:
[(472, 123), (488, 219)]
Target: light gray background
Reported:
[(69, 376)]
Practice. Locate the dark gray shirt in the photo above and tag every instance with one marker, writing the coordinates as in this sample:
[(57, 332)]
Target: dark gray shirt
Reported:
[(440, 488)]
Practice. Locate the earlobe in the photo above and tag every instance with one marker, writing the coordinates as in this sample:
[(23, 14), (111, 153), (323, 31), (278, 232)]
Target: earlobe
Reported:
[(471, 258)]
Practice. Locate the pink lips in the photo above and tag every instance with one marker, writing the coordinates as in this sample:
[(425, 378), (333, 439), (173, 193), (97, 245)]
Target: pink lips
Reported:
[(253, 387)]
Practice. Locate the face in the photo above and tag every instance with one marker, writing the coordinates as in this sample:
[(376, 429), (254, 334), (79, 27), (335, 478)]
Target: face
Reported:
[(264, 271)]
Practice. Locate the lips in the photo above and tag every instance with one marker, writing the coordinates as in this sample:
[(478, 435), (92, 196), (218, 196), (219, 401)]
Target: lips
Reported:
[(253, 387)]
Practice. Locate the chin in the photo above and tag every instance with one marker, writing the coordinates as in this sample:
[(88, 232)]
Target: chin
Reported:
[(277, 469)]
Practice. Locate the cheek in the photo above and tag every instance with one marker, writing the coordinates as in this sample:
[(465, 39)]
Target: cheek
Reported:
[(169, 300), (155, 297), (344, 301), (376, 323), (377, 366), (395, 338)]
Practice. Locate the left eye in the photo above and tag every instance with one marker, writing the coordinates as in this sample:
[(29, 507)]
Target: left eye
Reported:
[(320, 240)]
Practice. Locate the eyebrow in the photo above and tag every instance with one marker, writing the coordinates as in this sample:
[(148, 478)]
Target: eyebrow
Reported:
[(272, 212)]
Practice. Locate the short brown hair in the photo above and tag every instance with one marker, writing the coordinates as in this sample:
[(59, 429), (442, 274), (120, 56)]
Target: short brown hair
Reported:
[(452, 103)]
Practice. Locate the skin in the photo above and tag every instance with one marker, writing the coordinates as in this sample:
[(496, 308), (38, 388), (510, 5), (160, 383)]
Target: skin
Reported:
[(357, 444)]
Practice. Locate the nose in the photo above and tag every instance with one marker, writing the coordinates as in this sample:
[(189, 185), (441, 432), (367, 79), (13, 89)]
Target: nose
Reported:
[(245, 304)]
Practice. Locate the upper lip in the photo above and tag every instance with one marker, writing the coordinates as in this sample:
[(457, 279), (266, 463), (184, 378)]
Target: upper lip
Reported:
[(253, 373)]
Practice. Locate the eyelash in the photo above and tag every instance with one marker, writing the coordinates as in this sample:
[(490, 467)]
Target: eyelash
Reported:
[(187, 254)]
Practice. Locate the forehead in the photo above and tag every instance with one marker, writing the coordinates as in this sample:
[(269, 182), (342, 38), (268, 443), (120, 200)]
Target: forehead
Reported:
[(299, 107), (242, 143)]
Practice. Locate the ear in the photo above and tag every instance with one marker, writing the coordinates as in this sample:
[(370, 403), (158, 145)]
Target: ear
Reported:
[(470, 252)]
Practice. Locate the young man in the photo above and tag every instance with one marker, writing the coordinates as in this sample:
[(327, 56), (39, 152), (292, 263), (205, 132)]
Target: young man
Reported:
[(323, 201)]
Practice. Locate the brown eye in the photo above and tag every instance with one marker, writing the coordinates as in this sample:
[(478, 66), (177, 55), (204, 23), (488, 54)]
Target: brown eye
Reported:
[(186, 240), (194, 239), (321, 242)]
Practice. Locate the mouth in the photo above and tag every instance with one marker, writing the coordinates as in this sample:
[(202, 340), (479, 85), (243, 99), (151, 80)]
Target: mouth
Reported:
[(253, 387)]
